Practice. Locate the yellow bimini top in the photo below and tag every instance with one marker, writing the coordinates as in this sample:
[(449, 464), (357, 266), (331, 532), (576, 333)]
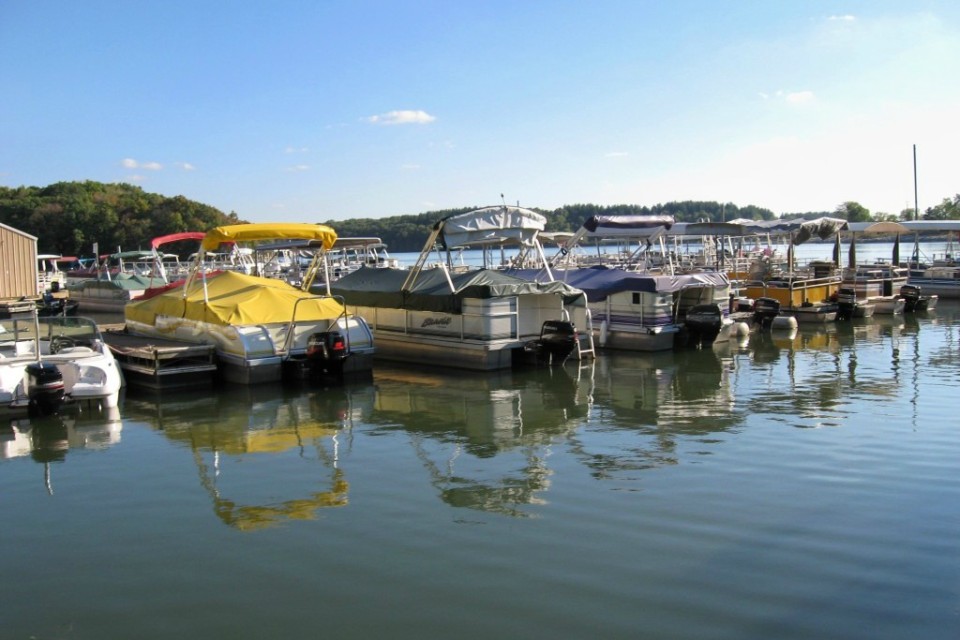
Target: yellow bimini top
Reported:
[(269, 231)]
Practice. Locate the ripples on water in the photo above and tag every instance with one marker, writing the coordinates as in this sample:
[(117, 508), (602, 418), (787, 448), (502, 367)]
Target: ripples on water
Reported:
[(792, 486)]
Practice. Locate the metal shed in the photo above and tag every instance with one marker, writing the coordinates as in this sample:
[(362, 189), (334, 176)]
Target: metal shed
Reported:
[(18, 263)]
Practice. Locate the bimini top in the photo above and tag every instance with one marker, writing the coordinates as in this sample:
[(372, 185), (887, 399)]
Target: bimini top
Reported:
[(501, 225), (877, 228), (176, 237), (383, 287), (269, 231), (933, 225), (234, 299), (612, 226)]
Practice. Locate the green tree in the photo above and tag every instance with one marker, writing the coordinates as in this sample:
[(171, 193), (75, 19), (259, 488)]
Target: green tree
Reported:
[(853, 212), (949, 209)]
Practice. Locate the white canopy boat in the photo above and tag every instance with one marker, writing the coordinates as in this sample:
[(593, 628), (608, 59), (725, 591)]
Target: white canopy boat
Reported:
[(263, 328), (469, 318), (637, 299)]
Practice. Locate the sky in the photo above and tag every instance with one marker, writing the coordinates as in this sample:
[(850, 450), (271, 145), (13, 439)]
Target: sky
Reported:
[(308, 111)]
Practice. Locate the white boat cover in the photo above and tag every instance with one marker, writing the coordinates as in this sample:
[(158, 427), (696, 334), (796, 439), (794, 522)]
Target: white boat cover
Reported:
[(503, 225)]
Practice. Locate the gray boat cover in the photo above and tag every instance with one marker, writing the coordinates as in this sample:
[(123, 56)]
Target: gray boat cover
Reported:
[(381, 287), (503, 225), (599, 282)]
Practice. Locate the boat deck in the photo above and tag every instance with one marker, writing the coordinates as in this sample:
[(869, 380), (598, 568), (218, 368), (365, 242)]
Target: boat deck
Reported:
[(161, 363)]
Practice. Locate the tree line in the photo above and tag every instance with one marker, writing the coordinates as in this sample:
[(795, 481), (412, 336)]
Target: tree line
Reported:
[(68, 217)]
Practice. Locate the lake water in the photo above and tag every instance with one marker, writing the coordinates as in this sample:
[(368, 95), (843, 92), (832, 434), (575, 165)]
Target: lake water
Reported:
[(783, 487)]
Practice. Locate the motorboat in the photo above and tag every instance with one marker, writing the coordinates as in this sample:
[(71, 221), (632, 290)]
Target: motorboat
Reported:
[(850, 307), (807, 293), (939, 274), (48, 363), (50, 278), (915, 300), (123, 276), (876, 284), (263, 329), (476, 318), (637, 300)]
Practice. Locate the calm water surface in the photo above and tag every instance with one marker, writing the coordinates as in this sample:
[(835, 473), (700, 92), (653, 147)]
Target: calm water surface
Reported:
[(804, 487)]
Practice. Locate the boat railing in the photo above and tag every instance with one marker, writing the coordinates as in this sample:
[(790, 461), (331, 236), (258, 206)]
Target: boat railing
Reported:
[(290, 337)]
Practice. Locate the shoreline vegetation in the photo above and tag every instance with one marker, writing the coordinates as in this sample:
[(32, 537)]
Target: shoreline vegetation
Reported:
[(69, 217)]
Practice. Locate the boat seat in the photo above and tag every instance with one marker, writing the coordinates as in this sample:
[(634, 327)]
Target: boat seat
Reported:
[(76, 351), (24, 348)]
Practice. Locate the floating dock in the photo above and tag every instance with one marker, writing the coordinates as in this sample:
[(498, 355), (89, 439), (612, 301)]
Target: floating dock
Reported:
[(158, 363)]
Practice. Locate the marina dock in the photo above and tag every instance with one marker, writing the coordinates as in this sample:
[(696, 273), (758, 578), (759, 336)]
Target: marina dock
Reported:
[(159, 363)]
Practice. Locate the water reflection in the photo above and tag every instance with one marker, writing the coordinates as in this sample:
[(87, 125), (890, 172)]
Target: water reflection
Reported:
[(258, 442), (48, 439), (458, 423), (812, 374), (647, 404), (486, 442)]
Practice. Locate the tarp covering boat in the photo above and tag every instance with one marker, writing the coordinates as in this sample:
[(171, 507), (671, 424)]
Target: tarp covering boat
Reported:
[(626, 225), (383, 287), (269, 231), (822, 228), (126, 281), (234, 299), (491, 225), (599, 282)]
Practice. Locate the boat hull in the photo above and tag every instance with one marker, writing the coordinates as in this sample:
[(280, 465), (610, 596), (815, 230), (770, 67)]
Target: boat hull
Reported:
[(252, 354)]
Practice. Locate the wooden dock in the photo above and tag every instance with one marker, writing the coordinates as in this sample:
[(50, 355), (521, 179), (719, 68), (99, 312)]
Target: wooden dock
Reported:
[(158, 363)]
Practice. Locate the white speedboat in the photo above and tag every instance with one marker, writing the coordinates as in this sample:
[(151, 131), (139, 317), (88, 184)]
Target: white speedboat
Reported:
[(263, 329), (54, 362)]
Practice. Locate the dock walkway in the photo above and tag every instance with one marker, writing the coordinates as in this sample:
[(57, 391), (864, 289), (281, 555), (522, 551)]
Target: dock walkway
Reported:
[(158, 362)]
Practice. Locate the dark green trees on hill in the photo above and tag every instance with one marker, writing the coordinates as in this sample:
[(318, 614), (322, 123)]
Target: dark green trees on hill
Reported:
[(68, 217)]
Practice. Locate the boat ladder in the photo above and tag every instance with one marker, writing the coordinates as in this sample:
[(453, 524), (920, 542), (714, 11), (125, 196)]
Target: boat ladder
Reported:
[(586, 336)]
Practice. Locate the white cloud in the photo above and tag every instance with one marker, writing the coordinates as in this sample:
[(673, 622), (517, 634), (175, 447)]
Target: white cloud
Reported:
[(130, 163), (298, 167), (799, 97), (844, 18), (790, 97), (402, 117), (296, 150), (186, 166)]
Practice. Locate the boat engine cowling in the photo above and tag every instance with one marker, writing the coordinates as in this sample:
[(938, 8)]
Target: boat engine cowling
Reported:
[(846, 303), (703, 323), (44, 387), (765, 310), (911, 297), (330, 346)]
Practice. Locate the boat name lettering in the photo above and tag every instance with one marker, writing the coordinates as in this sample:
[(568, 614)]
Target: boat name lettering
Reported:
[(431, 322)]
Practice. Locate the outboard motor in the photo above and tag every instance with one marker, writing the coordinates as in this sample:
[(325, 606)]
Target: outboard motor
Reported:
[(765, 310), (558, 339), (703, 322), (326, 352), (911, 297), (44, 387), (846, 303)]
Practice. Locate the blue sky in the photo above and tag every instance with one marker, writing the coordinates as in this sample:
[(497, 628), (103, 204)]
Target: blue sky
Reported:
[(310, 111)]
